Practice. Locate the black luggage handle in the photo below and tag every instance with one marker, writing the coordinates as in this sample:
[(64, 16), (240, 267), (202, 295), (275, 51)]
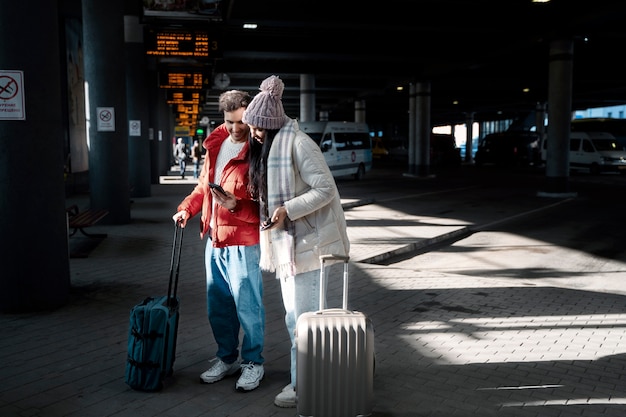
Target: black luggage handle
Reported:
[(323, 259), (177, 245)]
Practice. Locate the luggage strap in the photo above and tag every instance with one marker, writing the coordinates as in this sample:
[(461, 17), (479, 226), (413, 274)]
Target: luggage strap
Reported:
[(143, 364), (139, 335)]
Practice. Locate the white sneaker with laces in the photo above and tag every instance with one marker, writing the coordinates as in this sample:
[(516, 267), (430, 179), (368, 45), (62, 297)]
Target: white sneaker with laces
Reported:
[(286, 398), (219, 370), (251, 375)]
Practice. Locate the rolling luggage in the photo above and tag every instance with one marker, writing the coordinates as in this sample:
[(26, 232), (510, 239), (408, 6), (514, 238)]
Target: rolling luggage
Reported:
[(334, 357), (152, 331)]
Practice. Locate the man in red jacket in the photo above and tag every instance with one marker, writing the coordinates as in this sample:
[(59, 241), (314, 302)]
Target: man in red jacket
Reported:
[(230, 218)]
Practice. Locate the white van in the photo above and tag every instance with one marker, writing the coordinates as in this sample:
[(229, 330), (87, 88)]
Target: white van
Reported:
[(594, 152), (347, 146)]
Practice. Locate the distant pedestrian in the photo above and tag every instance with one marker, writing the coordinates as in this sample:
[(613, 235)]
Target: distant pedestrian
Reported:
[(180, 154), (196, 156)]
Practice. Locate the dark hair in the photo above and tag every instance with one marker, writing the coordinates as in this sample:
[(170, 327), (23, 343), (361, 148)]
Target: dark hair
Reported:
[(233, 99), (258, 169)]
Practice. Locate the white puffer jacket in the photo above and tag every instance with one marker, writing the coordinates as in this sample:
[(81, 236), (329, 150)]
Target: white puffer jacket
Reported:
[(320, 224)]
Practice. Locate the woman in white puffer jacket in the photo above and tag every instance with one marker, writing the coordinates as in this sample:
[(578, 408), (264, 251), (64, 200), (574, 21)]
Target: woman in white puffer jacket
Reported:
[(299, 198)]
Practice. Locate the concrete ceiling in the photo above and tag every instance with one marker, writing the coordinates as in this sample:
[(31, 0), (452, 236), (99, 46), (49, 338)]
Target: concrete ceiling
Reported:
[(481, 54)]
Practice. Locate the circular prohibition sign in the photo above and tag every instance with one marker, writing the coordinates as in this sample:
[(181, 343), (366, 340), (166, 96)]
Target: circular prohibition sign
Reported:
[(8, 88), (105, 115)]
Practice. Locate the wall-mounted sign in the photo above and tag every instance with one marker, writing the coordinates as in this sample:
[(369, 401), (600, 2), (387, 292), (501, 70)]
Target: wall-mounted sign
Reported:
[(106, 119), (134, 128), (12, 95)]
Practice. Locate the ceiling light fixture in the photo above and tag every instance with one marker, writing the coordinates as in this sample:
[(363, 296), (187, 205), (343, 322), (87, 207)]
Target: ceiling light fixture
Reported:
[(249, 25)]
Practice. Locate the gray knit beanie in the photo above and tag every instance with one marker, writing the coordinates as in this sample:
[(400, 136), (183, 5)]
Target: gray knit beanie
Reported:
[(266, 108)]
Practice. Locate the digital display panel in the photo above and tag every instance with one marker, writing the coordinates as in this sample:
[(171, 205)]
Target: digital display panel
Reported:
[(182, 81), (183, 98), (181, 43)]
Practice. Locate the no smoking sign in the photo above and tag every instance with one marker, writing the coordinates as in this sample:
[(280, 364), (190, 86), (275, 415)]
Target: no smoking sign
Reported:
[(106, 119), (12, 95)]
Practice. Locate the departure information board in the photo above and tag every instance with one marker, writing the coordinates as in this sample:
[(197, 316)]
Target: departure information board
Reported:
[(182, 80), (181, 43), (183, 98)]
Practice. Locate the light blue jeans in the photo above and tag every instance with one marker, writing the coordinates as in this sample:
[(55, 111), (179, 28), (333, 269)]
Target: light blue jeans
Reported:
[(235, 300), (300, 294)]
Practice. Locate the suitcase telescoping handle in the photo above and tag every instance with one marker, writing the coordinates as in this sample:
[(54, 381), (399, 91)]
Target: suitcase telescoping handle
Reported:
[(323, 259), (177, 246)]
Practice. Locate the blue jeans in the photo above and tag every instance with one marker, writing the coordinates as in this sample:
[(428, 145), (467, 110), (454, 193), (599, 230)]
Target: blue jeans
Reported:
[(182, 163), (196, 168), (300, 294), (235, 300)]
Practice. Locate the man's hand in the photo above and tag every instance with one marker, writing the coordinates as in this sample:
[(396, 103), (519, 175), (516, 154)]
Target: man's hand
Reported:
[(181, 217), (228, 200)]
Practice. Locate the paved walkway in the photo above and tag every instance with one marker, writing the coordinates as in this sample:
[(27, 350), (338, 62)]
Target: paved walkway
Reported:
[(446, 344)]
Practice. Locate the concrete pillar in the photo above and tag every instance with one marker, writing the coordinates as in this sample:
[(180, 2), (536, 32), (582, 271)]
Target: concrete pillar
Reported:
[(307, 98), (153, 132), (33, 225), (559, 111), (412, 128), (167, 125), (469, 129), (419, 146), (137, 109), (359, 111), (103, 34), (540, 117)]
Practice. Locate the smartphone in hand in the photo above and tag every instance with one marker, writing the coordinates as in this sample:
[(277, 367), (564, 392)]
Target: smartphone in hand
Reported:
[(217, 187), (267, 224)]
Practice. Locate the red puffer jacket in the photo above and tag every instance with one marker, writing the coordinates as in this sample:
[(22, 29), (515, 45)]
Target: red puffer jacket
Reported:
[(239, 227)]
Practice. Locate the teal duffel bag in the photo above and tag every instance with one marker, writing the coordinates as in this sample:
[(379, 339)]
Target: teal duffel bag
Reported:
[(152, 343), (152, 332)]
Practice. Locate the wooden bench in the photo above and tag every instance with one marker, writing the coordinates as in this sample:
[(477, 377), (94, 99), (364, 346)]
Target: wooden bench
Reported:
[(79, 220)]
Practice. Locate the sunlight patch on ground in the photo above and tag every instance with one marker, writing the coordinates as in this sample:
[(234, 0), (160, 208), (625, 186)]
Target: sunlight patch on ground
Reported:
[(519, 339)]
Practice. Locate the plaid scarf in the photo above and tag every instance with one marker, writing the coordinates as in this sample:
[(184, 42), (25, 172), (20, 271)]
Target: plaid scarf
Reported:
[(278, 244)]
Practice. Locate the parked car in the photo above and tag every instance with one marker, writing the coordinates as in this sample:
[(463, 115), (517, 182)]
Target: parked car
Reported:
[(594, 152), (378, 150), (510, 148), (443, 150), (347, 146), (616, 127)]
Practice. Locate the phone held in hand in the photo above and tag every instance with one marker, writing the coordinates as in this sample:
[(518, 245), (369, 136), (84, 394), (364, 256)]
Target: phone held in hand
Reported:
[(217, 187), (267, 224)]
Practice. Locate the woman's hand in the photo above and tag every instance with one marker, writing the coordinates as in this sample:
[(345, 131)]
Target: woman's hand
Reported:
[(278, 217)]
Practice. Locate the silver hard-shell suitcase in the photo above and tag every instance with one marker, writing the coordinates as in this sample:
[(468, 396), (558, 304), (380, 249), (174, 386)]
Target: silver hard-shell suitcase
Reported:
[(334, 357)]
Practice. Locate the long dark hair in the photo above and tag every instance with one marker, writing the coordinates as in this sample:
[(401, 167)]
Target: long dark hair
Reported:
[(258, 169)]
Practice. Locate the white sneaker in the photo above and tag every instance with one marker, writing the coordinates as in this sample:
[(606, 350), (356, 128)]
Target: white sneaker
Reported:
[(251, 375), (286, 398), (219, 370)]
